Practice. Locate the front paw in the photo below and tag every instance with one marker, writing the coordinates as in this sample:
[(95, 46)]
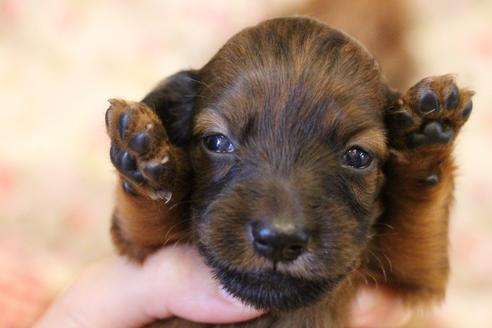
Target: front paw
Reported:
[(140, 150), (430, 114)]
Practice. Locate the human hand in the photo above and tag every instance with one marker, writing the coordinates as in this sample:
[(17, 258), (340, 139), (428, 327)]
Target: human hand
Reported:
[(378, 308), (174, 282)]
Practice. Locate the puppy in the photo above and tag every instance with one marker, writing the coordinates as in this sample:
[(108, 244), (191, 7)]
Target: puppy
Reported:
[(297, 171)]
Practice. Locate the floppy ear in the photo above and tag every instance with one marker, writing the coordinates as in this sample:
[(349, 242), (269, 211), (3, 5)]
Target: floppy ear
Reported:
[(173, 101)]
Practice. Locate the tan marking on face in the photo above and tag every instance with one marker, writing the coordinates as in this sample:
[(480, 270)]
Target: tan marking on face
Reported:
[(373, 139), (210, 121)]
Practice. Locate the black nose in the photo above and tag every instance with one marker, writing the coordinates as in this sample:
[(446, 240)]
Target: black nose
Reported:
[(277, 243)]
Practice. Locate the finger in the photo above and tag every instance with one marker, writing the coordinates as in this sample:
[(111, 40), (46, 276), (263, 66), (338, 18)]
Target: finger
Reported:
[(189, 289), (378, 308), (118, 293), (100, 297)]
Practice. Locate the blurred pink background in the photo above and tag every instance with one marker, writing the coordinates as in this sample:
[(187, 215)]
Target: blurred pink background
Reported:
[(61, 60)]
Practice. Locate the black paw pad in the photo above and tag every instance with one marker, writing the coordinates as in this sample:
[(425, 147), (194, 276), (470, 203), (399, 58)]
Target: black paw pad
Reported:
[(127, 162), (432, 133), (468, 109), (154, 170), (417, 139), (436, 133), (429, 102), (140, 143), (453, 98), (114, 155), (128, 188), (123, 124), (431, 180)]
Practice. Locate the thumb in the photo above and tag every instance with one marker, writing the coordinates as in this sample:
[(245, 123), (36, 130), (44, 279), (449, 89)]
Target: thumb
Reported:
[(180, 284), (117, 293)]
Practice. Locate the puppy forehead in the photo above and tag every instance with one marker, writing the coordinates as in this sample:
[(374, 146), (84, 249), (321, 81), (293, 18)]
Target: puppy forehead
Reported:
[(351, 125), (270, 105), (290, 72)]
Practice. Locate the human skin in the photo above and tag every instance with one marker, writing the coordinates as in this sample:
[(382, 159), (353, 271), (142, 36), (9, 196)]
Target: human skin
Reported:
[(175, 282)]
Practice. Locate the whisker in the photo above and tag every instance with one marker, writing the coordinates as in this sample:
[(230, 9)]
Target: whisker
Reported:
[(389, 261), (188, 201), (372, 277), (166, 237), (380, 265)]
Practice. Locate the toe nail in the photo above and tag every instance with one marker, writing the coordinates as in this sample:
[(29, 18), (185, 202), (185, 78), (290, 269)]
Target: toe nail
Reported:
[(127, 162), (140, 143), (468, 109), (106, 117), (123, 124), (453, 98), (167, 197), (429, 102)]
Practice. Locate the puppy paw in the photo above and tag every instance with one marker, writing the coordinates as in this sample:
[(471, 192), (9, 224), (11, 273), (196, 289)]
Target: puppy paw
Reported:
[(430, 114), (140, 150)]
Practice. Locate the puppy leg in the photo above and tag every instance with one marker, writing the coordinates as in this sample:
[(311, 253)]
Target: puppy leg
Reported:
[(411, 242), (150, 189)]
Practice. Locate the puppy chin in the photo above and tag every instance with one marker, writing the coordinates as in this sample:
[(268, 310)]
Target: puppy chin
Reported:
[(269, 289)]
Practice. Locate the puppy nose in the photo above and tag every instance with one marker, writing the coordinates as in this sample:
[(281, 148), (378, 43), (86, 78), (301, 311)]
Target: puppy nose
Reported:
[(277, 244)]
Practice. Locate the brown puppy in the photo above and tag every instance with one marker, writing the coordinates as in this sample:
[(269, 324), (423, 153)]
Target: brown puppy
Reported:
[(297, 171)]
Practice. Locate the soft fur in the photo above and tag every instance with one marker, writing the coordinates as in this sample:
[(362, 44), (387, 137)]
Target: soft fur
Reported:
[(293, 95)]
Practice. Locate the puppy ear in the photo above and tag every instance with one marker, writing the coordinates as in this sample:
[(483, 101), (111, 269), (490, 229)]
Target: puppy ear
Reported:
[(174, 101)]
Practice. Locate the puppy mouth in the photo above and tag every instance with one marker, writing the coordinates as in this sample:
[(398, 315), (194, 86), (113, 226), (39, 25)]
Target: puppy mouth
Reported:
[(269, 289)]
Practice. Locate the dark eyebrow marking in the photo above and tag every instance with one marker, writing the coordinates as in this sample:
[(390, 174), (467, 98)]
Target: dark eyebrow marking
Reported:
[(250, 126), (210, 120)]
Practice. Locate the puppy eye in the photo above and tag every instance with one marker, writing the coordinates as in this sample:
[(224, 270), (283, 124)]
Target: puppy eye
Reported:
[(357, 158), (218, 143)]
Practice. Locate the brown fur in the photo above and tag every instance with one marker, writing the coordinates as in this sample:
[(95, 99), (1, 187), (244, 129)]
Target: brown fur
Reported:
[(293, 95)]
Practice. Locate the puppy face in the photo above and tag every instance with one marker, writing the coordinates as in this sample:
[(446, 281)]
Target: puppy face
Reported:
[(287, 148)]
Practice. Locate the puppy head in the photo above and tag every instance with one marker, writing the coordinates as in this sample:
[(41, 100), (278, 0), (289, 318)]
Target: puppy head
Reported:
[(287, 146)]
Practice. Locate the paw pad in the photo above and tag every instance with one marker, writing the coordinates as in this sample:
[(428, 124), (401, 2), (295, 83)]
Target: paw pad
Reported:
[(468, 109), (138, 146), (431, 180), (453, 98), (128, 188), (140, 143), (432, 133), (154, 170), (430, 113), (429, 102), (123, 124)]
